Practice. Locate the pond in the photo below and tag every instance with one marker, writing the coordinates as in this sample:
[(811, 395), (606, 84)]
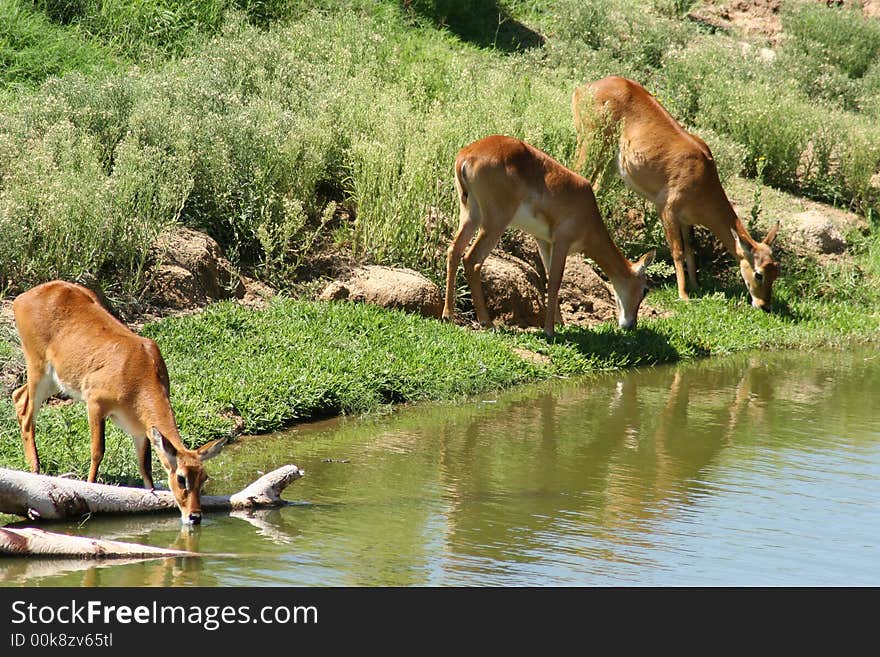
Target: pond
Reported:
[(756, 469)]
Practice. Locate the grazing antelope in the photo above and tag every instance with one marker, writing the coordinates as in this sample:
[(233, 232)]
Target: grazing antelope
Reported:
[(502, 182), (71, 344), (674, 170)]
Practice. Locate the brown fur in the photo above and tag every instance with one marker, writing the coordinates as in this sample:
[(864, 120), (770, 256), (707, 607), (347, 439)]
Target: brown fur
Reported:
[(675, 170), (117, 373), (498, 177)]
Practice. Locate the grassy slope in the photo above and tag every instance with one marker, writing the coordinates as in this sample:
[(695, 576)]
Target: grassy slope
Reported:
[(249, 133), (200, 138), (32, 47), (300, 360)]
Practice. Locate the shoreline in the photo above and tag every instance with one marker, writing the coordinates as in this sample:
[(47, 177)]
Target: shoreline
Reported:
[(240, 371)]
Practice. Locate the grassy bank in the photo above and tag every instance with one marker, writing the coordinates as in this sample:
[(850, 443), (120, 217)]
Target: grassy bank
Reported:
[(301, 360), (252, 120)]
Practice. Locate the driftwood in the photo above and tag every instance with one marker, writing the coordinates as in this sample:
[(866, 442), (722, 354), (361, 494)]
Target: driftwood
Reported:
[(30, 541), (40, 497), (57, 498)]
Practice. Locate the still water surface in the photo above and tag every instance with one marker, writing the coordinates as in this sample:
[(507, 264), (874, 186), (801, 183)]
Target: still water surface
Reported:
[(756, 469)]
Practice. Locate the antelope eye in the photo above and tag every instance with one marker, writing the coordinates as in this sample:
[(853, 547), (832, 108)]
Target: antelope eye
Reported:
[(181, 481), (759, 276)]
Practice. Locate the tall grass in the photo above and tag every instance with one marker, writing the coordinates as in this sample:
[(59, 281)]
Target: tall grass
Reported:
[(33, 48), (840, 36), (249, 128), (71, 208), (810, 147), (155, 29), (257, 125)]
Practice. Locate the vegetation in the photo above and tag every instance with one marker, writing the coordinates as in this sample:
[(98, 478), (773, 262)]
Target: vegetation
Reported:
[(33, 47), (280, 126), (302, 360), (247, 118)]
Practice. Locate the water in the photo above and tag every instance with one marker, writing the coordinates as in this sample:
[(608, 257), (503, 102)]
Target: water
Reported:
[(755, 469)]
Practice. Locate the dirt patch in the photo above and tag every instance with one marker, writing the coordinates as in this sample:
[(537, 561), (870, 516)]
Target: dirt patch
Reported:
[(871, 8), (754, 19), (532, 356), (760, 20)]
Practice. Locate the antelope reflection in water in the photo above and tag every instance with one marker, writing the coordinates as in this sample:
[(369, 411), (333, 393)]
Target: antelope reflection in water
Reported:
[(606, 465)]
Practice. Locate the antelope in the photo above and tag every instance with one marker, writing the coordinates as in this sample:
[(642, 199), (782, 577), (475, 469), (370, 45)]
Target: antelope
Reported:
[(502, 182), (72, 344), (674, 170)]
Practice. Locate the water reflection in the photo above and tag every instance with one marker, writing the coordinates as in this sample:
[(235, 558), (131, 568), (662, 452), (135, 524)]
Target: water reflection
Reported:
[(757, 468)]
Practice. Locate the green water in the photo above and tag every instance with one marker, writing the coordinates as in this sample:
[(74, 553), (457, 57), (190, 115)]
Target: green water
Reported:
[(754, 469)]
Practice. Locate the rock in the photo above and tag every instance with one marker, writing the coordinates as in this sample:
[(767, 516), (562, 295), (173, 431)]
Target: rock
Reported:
[(513, 290), (584, 296), (172, 286), (817, 233), (523, 246), (190, 270), (389, 287), (767, 55)]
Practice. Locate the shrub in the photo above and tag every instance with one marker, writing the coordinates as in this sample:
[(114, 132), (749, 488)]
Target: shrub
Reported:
[(140, 29), (841, 36), (251, 138), (63, 216), (817, 78), (690, 73)]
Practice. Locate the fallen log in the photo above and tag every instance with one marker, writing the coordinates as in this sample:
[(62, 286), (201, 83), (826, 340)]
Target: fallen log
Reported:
[(33, 542), (40, 497)]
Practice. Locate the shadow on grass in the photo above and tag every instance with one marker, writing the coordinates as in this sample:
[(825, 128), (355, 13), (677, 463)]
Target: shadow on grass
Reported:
[(738, 292), (642, 346), (484, 23)]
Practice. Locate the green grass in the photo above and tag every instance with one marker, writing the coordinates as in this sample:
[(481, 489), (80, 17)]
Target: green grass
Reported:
[(33, 47), (299, 361), (249, 119), (246, 119), (153, 30)]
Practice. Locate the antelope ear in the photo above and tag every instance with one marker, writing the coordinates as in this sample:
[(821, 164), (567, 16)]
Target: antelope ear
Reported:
[(768, 240), (164, 448), (212, 449), (642, 263), (743, 250)]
